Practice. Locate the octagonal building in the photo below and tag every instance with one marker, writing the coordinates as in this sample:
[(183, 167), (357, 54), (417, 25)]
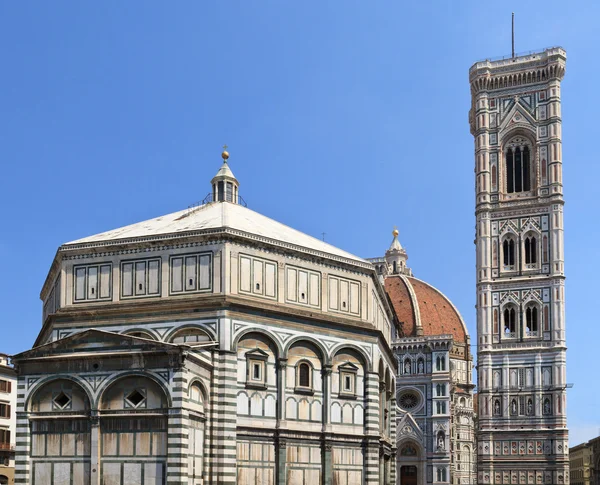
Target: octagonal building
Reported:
[(211, 345)]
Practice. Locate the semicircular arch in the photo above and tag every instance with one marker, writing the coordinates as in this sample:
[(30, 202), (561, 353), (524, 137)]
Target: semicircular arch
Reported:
[(193, 326), (125, 374), (261, 331), (306, 338), (131, 331), (363, 354), (48, 380)]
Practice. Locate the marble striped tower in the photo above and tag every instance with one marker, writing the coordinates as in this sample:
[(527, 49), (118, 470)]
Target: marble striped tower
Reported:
[(515, 118)]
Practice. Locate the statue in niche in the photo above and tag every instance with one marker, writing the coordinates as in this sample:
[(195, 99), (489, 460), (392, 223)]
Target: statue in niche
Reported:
[(440, 441), (421, 367), (529, 408), (407, 366), (513, 407), (547, 406), (497, 407)]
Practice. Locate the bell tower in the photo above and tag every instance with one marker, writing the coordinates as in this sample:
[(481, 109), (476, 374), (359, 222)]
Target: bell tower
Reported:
[(515, 118)]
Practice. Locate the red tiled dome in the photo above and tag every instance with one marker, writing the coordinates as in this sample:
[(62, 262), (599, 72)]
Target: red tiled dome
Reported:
[(423, 309)]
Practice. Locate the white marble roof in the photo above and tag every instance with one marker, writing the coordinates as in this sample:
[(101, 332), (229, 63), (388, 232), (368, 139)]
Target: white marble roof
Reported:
[(217, 215)]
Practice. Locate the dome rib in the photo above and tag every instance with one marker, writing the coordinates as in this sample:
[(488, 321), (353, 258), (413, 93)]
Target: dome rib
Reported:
[(429, 311)]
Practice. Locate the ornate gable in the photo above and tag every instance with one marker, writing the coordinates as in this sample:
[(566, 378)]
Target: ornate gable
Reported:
[(98, 342)]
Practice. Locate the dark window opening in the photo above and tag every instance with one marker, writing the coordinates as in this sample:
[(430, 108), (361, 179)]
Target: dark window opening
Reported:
[(510, 185), (532, 319), (304, 375), (508, 250), (530, 250), (510, 322), (518, 170)]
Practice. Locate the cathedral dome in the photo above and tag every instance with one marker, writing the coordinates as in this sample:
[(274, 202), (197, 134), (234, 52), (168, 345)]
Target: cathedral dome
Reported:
[(424, 310)]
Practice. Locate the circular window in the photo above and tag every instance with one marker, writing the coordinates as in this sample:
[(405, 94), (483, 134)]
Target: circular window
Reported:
[(409, 400)]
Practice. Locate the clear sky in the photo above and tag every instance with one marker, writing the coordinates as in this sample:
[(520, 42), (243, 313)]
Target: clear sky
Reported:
[(343, 117)]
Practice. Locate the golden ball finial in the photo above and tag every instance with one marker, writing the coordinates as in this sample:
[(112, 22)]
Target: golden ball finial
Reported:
[(225, 154), (395, 232)]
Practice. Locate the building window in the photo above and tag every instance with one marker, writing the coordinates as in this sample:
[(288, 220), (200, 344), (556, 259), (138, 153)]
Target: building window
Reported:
[(518, 175), (510, 323), (440, 389), (440, 363), (92, 282), (5, 386), (4, 437), (62, 401), (4, 410), (441, 474), (347, 376), (256, 362), (530, 250), (303, 375), (508, 253), (440, 407), (135, 399), (531, 317)]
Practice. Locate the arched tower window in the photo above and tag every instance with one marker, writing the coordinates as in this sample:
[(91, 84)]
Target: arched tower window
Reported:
[(531, 318), (530, 250), (510, 322), (508, 252), (518, 166)]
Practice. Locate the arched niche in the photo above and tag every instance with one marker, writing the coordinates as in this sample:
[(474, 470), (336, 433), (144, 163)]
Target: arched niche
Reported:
[(140, 334), (190, 336), (60, 395), (304, 354), (133, 392)]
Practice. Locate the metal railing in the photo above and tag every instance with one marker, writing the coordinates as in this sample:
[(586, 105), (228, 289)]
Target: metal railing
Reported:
[(508, 57), (210, 198)]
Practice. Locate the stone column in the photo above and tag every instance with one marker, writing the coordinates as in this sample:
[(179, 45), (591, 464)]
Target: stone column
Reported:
[(327, 462), (393, 432), (281, 381), (326, 373), (372, 429), (224, 446), (94, 449), (281, 460), (178, 431), (23, 442)]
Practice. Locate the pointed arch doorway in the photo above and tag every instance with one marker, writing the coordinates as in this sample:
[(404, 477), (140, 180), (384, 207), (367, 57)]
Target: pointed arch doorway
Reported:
[(410, 464)]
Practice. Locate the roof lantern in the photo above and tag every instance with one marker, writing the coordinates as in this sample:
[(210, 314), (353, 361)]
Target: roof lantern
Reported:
[(396, 257), (224, 184)]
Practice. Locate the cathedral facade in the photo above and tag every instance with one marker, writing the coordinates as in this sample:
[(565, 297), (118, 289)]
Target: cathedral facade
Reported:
[(515, 118), (209, 346), (434, 389)]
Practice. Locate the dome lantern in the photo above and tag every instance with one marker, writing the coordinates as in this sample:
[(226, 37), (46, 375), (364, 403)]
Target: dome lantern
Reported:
[(396, 257), (224, 184)]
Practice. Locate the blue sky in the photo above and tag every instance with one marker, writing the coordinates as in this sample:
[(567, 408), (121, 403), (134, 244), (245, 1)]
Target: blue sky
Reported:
[(344, 117)]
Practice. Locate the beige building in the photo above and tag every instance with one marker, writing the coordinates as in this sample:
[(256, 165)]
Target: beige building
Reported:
[(585, 463), (580, 459), (8, 420), (209, 346)]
